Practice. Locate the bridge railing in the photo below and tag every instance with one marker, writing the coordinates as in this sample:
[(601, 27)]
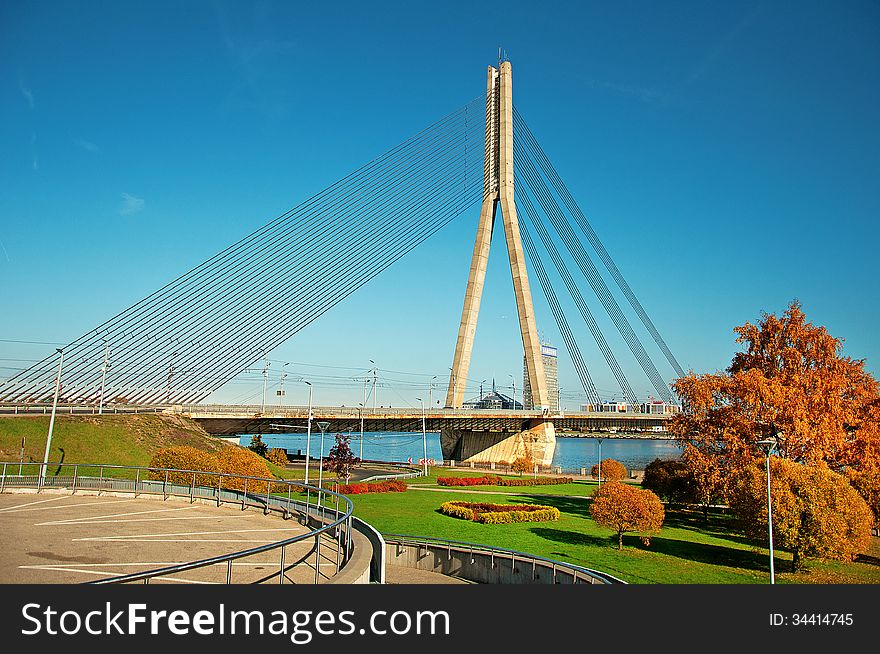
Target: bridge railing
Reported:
[(486, 563), (77, 409), (320, 509)]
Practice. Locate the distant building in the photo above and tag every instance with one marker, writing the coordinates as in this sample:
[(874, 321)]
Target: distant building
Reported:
[(493, 400), (550, 357)]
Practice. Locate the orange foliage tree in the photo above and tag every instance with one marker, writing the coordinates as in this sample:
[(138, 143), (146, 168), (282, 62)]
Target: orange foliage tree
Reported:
[(611, 470), (523, 464), (277, 456), (868, 486), (625, 508), (790, 374), (816, 513)]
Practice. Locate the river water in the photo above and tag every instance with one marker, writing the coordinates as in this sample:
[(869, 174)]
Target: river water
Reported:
[(571, 454)]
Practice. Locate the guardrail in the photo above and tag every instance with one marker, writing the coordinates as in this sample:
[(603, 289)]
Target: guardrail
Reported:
[(488, 564), (329, 520)]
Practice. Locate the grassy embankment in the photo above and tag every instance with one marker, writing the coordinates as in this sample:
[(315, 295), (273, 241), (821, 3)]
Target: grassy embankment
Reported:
[(129, 440)]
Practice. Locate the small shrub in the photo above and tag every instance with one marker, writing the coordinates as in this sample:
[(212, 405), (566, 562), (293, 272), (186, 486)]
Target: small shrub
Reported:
[(537, 481), (277, 456), (523, 464), (257, 445), (624, 508), (230, 460), (386, 486), (485, 480), (611, 470), (496, 514)]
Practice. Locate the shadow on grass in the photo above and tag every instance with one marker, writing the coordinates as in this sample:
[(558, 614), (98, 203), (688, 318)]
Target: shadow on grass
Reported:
[(699, 552), (572, 537), (702, 552), (867, 559), (718, 525), (571, 505)]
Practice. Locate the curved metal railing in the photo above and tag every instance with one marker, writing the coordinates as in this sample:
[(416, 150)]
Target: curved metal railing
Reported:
[(329, 518), (578, 574)]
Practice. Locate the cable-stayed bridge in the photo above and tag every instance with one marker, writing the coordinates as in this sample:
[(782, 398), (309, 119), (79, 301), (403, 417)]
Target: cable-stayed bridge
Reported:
[(194, 335)]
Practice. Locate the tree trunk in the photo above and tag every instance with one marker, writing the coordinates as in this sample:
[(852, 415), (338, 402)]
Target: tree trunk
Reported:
[(620, 540), (796, 562)]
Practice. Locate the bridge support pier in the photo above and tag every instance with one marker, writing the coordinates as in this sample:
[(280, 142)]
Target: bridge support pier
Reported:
[(466, 445)]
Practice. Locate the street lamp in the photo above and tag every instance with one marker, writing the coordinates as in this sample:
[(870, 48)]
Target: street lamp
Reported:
[(767, 446), (265, 381), (431, 392), (281, 390), (323, 424), (424, 436), (513, 379), (52, 419), (361, 416), (375, 383), (599, 440), (308, 431), (454, 390), (103, 376)]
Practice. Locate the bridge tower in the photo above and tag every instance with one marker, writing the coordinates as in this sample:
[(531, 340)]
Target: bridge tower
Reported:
[(537, 437)]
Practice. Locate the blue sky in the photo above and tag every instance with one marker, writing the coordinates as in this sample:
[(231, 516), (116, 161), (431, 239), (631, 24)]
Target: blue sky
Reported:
[(726, 153)]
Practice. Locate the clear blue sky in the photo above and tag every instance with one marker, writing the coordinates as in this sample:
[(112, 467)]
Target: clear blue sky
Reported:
[(728, 154)]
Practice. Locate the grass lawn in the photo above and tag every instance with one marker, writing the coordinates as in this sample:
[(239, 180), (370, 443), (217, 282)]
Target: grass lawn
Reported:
[(685, 551), (129, 440)]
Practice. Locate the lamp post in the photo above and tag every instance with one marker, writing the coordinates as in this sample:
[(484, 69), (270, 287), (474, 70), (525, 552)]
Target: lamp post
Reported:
[(103, 377), (375, 383), (431, 392), (322, 424), (361, 416), (513, 379), (599, 440), (52, 419), (265, 381), (424, 436), (308, 431), (767, 446)]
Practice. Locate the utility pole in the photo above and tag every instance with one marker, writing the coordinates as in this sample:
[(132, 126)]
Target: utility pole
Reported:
[(375, 384), (52, 419), (513, 380), (308, 431), (361, 408), (431, 392), (265, 381), (424, 437), (103, 377)]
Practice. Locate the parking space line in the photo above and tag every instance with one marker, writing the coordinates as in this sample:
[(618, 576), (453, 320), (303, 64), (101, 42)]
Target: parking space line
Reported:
[(76, 505), (97, 518), (20, 506)]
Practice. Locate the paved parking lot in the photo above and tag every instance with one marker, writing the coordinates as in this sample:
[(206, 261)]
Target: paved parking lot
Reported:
[(63, 538)]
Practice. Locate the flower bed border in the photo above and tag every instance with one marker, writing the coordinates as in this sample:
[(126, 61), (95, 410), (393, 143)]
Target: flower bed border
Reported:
[(496, 514)]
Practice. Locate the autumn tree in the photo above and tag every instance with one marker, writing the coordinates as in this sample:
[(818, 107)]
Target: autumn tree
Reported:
[(611, 470), (670, 480), (523, 464), (791, 374), (258, 446), (341, 459), (868, 486), (816, 513), (278, 456), (625, 508)]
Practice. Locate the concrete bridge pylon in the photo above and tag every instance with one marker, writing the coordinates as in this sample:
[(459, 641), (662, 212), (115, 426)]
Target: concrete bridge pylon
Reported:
[(538, 440)]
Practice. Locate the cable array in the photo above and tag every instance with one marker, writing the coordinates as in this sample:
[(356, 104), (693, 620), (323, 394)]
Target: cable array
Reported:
[(200, 330), (562, 190), (524, 163)]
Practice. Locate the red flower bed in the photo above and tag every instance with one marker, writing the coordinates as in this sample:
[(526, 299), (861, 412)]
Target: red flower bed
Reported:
[(485, 480), (387, 486)]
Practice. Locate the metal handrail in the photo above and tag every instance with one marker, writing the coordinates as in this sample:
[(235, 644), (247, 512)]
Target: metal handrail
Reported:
[(407, 539), (343, 519)]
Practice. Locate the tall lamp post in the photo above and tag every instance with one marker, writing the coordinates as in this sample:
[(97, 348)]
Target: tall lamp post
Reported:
[(323, 424), (424, 436), (767, 446), (361, 416), (599, 440), (513, 379), (308, 430), (104, 376), (52, 419), (431, 392)]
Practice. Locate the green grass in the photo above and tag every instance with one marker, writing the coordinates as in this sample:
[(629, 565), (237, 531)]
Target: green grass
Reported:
[(129, 440), (685, 551)]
